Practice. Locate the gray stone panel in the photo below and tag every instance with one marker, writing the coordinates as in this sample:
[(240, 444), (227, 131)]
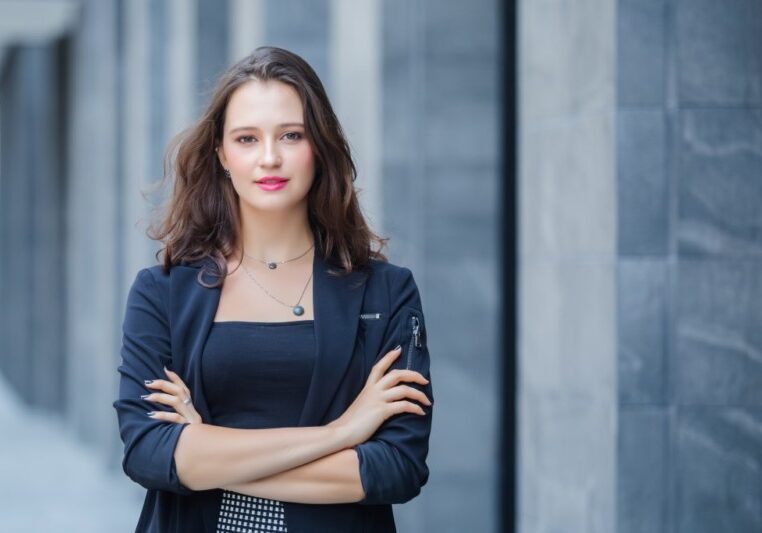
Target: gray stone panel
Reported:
[(719, 341), (643, 186), (470, 339), (461, 189), (640, 52), (457, 30), (718, 51), (212, 46), (301, 26), (642, 490), (157, 81), (717, 470), (440, 117), (642, 313), (720, 185)]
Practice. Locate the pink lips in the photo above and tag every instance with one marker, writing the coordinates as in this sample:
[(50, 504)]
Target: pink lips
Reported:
[(272, 183)]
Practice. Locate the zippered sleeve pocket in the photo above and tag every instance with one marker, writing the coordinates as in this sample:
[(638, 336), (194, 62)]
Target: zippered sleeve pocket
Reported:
[(415, 339)]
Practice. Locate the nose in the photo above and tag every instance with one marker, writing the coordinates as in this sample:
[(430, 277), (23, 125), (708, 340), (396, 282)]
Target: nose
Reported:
[(269, 156)]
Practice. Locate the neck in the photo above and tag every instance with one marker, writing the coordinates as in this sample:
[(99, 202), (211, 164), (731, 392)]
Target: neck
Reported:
[(275, 235)]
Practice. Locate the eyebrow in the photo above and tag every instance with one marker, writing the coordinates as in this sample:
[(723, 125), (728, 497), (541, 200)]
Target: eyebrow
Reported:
[(284, 125)]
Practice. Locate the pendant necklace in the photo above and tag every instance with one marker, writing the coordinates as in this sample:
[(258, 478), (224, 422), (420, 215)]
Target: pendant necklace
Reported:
[(297, 309), (272, 265)]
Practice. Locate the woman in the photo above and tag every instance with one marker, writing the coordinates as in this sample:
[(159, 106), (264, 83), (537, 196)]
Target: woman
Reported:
[(284, 362)]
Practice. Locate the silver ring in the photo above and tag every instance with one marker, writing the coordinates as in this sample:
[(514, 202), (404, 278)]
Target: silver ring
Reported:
[(186, 401)]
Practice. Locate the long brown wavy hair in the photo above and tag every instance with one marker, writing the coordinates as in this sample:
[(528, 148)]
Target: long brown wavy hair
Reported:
[(201, 216)]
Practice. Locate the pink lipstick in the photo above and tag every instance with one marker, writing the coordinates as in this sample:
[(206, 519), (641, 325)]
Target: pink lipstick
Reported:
[(271, 183)]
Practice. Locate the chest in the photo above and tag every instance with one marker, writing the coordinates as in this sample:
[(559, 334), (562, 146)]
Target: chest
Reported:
[(263, 295)]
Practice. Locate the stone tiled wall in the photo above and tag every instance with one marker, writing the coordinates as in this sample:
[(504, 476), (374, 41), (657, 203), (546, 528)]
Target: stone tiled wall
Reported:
[(689, 150)]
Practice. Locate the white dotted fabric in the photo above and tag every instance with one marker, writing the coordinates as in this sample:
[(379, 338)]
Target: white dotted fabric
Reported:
[(247, 514)]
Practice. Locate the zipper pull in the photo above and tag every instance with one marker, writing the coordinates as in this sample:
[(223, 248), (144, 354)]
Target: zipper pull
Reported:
[(416, 332)]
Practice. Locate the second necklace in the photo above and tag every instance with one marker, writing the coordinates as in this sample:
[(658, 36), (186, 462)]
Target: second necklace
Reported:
[(297, 309)]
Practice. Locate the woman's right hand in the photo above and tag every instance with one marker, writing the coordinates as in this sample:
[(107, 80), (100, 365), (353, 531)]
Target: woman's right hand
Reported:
[(380, 398)]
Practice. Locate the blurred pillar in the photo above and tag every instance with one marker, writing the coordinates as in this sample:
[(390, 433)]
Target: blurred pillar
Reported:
[(567, 267), (355, 44), (32, 157), (92, 223), (440, 151)]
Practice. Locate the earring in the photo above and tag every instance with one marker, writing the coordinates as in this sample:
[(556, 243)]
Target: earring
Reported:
[(227, 174)]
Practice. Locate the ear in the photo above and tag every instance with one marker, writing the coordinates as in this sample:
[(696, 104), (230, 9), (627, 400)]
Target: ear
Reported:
[(221, 156)]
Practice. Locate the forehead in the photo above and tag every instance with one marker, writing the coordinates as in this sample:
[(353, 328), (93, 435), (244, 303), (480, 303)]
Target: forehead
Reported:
[(263, 104)]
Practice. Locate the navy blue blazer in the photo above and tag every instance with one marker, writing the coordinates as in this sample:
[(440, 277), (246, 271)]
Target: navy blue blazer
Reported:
[(358, 319)]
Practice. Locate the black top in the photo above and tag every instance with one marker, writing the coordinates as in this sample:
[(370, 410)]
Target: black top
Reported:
[(256, 374)]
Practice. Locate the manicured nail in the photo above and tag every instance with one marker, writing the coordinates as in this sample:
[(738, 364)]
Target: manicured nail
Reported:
[(144, 396), (148, 381), (150, 413), (397, 347)]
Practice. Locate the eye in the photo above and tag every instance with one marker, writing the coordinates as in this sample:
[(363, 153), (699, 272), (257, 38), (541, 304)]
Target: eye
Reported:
[(298, 135), (244, 137)]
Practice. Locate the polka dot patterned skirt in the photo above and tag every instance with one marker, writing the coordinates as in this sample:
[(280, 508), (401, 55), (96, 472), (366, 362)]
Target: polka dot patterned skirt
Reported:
[(248, 514)]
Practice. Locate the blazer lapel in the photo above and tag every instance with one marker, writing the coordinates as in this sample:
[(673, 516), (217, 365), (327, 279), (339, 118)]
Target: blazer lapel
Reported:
[(337, 302)]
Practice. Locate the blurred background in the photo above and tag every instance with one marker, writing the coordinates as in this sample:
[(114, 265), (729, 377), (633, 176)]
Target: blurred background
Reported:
[(576, 185)]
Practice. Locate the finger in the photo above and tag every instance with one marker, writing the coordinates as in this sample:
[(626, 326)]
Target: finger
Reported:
[(177, 380), (403, 391), (166, 399), (166, 386), (406, 407), (383, 364), (169, 417), (399, 374)]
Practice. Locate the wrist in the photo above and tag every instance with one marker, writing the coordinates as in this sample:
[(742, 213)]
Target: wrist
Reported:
[(340, 434)]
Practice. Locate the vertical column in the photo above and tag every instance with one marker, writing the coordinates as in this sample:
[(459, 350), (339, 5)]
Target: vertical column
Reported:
[(567, 267), (247, 28), (440, 160), (92, 222), (355, 45), (212, 28), (136, 165), (302, 26), (32, 207)]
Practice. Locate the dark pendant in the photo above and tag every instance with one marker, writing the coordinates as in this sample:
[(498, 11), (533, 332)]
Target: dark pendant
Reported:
[(298, 310), (272, 266)]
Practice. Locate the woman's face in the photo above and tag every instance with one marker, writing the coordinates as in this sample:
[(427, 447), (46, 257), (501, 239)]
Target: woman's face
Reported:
[(263, 137)]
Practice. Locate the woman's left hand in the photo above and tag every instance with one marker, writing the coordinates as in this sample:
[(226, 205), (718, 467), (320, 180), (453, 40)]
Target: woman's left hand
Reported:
[(175, 394)]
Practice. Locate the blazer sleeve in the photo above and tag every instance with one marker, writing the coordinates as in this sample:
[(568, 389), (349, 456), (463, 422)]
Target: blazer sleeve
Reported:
[(393, 461), (149, 444)]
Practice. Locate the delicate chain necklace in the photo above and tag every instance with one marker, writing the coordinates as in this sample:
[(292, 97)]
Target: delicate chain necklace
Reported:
[(297, 309), (272, 265)]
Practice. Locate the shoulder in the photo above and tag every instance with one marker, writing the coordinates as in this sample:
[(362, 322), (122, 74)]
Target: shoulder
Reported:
[(388, 273), (393, 284), (151, 280)]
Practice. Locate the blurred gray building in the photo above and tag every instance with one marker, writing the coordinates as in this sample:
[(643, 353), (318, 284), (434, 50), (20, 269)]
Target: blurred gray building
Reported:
[(575, 185)]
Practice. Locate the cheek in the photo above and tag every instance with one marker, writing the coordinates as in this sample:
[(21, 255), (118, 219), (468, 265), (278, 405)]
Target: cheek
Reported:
[(305, 157), (236, 156)]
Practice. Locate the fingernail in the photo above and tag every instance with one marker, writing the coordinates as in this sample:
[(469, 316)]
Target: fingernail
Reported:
[(144, 396), (148, 381), (150, 413), (398, 347)]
